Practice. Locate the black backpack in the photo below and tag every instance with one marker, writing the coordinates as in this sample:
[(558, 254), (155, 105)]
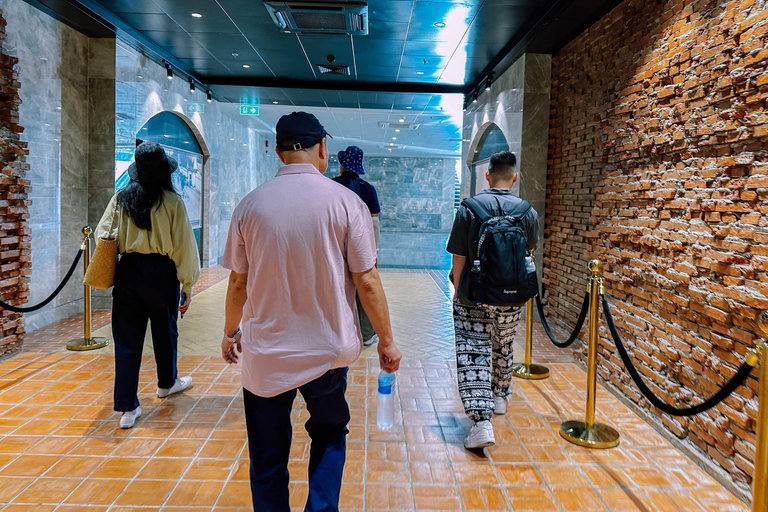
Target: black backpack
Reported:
[(502, 274)]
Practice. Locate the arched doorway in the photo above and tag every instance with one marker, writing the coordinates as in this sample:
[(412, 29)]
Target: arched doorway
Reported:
[(181, 141), (489, 140)]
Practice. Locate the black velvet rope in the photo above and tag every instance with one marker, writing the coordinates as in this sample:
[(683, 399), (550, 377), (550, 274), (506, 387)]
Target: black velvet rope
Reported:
[(579, 323), (736, 381), (18, 309)]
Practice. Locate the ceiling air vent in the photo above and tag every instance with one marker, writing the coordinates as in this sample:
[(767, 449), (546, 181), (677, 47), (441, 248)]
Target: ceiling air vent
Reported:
[(319, 17), (400, 126), (333, 69)]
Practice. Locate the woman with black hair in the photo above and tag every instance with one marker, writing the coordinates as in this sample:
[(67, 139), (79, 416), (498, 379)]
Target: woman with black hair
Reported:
[(155, 273)]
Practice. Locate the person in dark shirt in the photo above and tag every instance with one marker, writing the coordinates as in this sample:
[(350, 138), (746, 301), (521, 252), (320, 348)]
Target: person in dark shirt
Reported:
[(484, 333), (351, 163)]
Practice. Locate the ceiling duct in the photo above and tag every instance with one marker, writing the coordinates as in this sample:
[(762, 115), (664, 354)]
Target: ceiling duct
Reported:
[(398, 126), (333, 69), (349, 18)]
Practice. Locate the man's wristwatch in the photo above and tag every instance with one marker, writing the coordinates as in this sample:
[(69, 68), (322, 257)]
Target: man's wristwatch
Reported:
[(234, 337)]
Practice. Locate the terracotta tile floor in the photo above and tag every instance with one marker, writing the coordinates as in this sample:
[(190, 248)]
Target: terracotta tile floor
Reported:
[(60, 448)]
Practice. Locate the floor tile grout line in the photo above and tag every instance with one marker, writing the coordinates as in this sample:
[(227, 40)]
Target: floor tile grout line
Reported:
[(128, 436), (61, 456), (208, 438), (558, 437), (407, 451), (445, 443)]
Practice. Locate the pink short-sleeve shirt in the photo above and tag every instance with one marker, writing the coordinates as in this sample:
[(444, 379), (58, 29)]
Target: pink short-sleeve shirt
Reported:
[(298, 237)]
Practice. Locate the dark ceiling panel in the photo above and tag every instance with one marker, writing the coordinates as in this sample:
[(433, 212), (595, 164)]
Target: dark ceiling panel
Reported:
[(137, 6), (289, 62), (171, 40), (390, 10), (150, 22), (404, 50)]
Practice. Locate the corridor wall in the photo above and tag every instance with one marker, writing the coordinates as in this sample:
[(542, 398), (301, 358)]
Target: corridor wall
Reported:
[(658, 166), (75, 91)]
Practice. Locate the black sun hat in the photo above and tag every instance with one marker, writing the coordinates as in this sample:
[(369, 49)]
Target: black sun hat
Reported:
[(151, 164)]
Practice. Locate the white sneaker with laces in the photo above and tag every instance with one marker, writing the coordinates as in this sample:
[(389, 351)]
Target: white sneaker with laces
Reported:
[(180, 385), (480, 436), (500, 405), (373, 339), (128, 419)]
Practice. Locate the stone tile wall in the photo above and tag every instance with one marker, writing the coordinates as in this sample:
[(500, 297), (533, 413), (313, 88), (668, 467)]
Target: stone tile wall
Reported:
[(15, 247), (416, 197)]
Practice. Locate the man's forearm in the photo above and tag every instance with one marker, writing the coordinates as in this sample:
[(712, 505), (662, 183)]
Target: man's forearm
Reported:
[(374, 303), (237, 294)]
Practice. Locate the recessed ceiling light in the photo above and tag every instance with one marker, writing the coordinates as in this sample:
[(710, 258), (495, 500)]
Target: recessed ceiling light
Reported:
[(197, 15), (409, 108), (398, 130), (232, 138), (419, 72), (391, 144), (246, 66), (394, 138), (235, 54), (139, 76), (439, 24), (402, 120), (274, 102)]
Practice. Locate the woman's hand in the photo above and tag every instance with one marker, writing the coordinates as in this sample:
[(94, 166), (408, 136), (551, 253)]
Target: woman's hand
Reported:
[(186, 300)]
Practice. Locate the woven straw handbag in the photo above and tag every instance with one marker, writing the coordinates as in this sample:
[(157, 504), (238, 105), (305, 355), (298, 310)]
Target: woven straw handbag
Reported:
[(101, 270)]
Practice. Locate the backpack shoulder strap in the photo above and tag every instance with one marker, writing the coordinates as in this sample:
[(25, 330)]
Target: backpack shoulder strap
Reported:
[(477, 209), (519, 211)]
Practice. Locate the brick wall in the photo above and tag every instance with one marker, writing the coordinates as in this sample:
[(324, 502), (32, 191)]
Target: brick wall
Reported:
[(15, 250), (658, 165)]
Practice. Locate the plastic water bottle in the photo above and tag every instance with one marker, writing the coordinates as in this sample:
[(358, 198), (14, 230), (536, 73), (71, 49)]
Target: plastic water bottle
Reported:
[(385, 411)]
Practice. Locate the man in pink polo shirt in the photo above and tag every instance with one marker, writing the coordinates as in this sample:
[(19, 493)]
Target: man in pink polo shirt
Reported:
[(298, 247)]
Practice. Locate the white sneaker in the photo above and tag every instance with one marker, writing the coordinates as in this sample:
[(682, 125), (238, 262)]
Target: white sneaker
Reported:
[(128, 419), (500, 405), (480, 436), (180, 385), (373, 339)]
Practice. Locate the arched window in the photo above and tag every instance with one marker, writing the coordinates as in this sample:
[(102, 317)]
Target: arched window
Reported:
[(492, 141), (180, 143)]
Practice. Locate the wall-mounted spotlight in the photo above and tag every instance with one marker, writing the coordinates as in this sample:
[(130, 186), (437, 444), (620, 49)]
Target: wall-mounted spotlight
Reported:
[(168, 71), (191, 86), (489, 81), (474, 97), (208, 96)]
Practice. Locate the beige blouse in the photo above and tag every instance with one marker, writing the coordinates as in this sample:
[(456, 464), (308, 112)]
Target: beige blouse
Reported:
[(171, 235)]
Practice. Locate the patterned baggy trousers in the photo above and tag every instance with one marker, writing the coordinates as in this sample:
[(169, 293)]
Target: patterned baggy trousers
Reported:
[(484, 336)]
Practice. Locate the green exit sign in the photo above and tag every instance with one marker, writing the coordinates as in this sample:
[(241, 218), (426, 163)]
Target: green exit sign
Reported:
[(249, 110)]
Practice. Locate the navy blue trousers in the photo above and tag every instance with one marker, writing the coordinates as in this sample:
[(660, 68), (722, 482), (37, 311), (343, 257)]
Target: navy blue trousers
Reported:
[(146, 290), (268, 421)]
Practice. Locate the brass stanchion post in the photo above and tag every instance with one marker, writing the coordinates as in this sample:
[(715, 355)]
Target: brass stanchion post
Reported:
[(760, 478), (588, 433), (86, 342), (529, 370)]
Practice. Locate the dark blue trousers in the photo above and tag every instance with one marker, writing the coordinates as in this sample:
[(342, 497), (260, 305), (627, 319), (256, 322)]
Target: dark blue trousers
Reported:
[(268, 421), (146, 289)]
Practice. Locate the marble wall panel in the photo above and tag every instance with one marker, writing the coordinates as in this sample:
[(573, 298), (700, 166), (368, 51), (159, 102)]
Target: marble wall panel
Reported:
[(53, 68)]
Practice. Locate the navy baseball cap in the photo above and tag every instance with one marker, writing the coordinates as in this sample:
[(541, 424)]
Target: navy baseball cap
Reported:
[(302, 127)]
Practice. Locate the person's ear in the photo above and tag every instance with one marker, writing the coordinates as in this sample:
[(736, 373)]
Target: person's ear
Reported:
[(323, 149), (515, 177), (280, 155), (487, 175)]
